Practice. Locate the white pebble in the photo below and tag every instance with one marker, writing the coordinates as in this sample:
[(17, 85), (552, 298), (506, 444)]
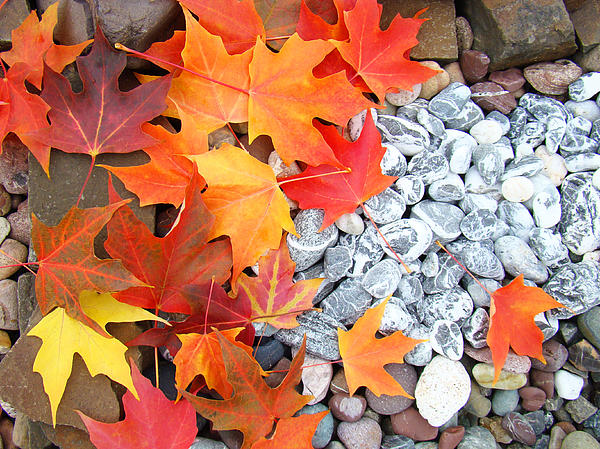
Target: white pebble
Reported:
[(568, 385), (350, 224), (555, 168), (587, 109), (517, 189), (486, 131)]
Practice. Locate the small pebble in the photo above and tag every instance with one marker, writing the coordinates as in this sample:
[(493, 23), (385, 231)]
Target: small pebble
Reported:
[(568, 385)]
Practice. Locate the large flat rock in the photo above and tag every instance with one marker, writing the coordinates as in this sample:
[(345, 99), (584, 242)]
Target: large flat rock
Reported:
[(12, 15), (586, 20), (520, 32)]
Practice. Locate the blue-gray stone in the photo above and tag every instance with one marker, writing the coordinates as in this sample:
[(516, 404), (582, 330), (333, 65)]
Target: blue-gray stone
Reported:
[(408, 237), (533, 134), (410, 290), (410, 111), (543, 107), (505, 401), (585, 87), (481, 298), (589, 325), (517, 217), (593, 423), (476, 327), (475, 201), (411, 188), (428, 166), (469, 115), (316, 271), (393, 162), (504, 121), (268, 353), (583, 162), (348, 302), (386, 207), (488, 161), (448, 276), (431, 123), (555, 131), (397, 442), (453, 304), (324, 430), (576, 144), (382, 279), (409, 137), (537, 421), (449, 189), (368, 251), (309, 247), (446, 339), (207, 443), (337, 262), (518, 118), (548, 247), (443, 218), (479, 224), (518, 258), (458, 147), (477, 437), (450, 101), (431, 265), (579, 125), (526, 166)]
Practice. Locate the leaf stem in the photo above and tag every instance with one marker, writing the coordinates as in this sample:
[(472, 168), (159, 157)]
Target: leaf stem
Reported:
[(464, 268), (302, 178), (276, 38), (87, 178), (156, 352), (3, 3), (236, 138), (212, 283), (18, 264), (172, 64)]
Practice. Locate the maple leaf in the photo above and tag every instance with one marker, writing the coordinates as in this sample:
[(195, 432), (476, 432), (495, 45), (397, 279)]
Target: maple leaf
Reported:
[(32, 44), (512, 309), (246, 201), (62, 337), (254, 406), (312, 25), (22, 112), (67, 264), (273, 294), (101, 118), (221, 312), (150, 422), (341, 193), (166, 265), (201, 354), (379, 57), (364, 356), (223, 97), (168, 51), (165, 178), (285, 97), (293, 432)]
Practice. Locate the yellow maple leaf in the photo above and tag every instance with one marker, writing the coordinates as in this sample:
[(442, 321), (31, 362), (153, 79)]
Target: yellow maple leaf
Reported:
[(63, 336)]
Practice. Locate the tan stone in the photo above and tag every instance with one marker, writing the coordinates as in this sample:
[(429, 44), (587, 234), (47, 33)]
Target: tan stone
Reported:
[(455, 73), (436, 83), (586, 21)]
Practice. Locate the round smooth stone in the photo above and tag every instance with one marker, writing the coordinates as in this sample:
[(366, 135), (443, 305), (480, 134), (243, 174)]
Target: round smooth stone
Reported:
[(533, 398), (350, 223), (347, 408), (568, 385), (486, 131), (518, 427), (362, 434), (478, 225), (386, 207), (412, 189), (446, 339), (585, 87), (411, 424), (324, 430), (580, 440), (484, 375), (477, 437), (403, 97), (406, 376), (518, 258), (517, 189), (589, 325), (505, 401)]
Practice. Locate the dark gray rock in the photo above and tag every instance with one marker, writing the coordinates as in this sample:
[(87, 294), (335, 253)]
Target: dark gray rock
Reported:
[(577, 144), (479, 224), (443, 218), (428, 166), (518, 258), (526, 166), (450, 101), (518, 119), (382, 279), (337, 262), (476, 327), (408, 237), (518, 427), (268, 353), (396, 317), (309, 248), (589, 325), (405, 375), (410, 290), (446, 339), (532, 134), (397, 442), (411, 188), (576, 287), (321, 334), (316, 271), (431, 123), (543, 107), (477, 437), (348, 302), (409, 137), (454, 304), (580, 224), (386, 207), (324, 430)]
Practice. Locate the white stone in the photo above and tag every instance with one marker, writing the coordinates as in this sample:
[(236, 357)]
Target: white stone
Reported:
[(350, 223), (568, 385), (517, 189), (315, 379), (555, 168), (546, 209), (474, 183), (523, 149), (486, 131), (404, 97), (443, 389), (587, 109)]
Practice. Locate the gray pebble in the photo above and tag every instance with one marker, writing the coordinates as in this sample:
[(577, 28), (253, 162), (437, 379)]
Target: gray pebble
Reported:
[(479, 224), (585, 87), (446, 339), (308, 249), (429, 166), (488, 162), (453, 304), (576, 287), (382, 279), (458, 147), (518, 258), (385, 207), (408, 237), (411, 188), (337, 262), (443, 218), (449, 189), (393, 162), (409, 137), (348, 302), (476, 327), (450, 101), (469, 115)]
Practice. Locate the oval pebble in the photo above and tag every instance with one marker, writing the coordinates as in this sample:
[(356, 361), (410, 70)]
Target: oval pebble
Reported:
[(518, 189), (568, 385), (486, 131), (362, 434)]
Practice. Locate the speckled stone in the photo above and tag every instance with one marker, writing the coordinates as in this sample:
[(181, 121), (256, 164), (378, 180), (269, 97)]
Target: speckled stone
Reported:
[(484, 375), (362, 434), (406, 376)]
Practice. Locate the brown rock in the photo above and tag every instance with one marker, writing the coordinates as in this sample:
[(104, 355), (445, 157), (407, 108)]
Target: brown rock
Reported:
[(5, 201), (405, 375), (67, 437), (454, 72), (590, 61), (411, 424), (347, 408), (403, 97), (279, 372), (260, 147), (28, 434), (362, 434), (555, 355), (566, 426), (27, 302), (510, 79), (464, 34), (75, 23), (518, 427), (5, 343), (494, 425), (20, 224), (23, 388), (220, 136), (9, 307), (533, 398), (436, 83), (14, 175), (451, 437), (585, 17), (13, 14), (557, 435), (11, 253), (552, 78), (338, 383), (437, 36), (584, 356), (474, 65), (6, 431), (520, 32), (543, 380), (491, 98)]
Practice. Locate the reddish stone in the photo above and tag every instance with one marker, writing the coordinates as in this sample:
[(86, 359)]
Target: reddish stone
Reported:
[(451, 437), (554, 353), (503, 103), (533, 398), (510, 79), (567, 427), (347, 408), (474, 65), (543, 380), (411, 424)]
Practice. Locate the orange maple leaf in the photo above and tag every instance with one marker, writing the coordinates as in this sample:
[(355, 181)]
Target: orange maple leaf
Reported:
[(364, 356), (273, 294), (246, 201), (294, 433), (512, 309), (254, 406), (32, 44), (314, 26)]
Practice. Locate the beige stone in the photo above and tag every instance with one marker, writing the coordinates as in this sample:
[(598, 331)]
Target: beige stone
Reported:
[(436, 83)]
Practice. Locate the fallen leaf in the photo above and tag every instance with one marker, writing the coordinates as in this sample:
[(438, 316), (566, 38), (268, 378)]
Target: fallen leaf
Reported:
[(293, 432), (364, 356), (342, 193), (101, 118), (62, 337), (512, 309), (313, 26), (254, 406), (169, 51), (67, 264), (273, 294), (245, 199), (32, 44), (166, 265), (152, 421), (285, 97)]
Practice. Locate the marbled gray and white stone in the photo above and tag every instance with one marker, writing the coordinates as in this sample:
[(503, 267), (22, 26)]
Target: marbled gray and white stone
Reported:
[(504, 147), (479, 224), (477, 437), (518, 258), (579, 125), (576, 287), (542, 107), (422, 353), (580, 223), (448, 276), (431, 265), (588, 109), (476, 327), (480, 297), (443, 218), (585, 87), (321, 334), (502, 119), (518, 118), (488, 162), (453, 304), (395, 317), (350, 223), (479, 258), (517, 217), (309, 248), (431, 123), (547, 210), (548, 247), (337, 262), (393, 162), (428, 166), (577, 144), (458, 147), (410, 290), (474, 183), (408, 237), (385, 207), (502, 229), (409, 137), (526, 166), (469, 115), (446, 339), (411, 188), (449, 189), (583, 162), (449, 102), (548, 325), (316, 271), (555, 131), (533, 134), (475, 201), (367, 251), (382, 279), (410, 111), (595, 132), (348, 302)]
